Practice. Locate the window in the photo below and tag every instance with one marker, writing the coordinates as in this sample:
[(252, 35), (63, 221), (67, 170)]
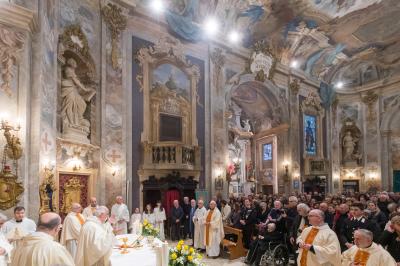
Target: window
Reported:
[(267, 152), (310, 133)]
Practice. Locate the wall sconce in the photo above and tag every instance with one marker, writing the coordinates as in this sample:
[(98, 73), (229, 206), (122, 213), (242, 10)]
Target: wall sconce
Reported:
[(219, 181), (286, 168), (114, 170)]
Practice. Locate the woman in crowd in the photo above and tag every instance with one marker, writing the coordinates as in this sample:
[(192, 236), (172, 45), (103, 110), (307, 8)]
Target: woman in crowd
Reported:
[(160, 217), (149, 215), (390, 238), (136, 218), (376, 215)]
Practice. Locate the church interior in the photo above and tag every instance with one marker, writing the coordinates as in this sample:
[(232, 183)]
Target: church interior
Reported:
[(153, 100)]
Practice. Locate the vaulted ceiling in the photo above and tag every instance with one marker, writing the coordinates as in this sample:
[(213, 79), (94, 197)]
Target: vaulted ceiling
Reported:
[(353, 41)]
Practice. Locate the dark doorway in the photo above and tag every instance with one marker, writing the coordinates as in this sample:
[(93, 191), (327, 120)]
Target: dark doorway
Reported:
[(268, 189), (351, 186), (396, 181)]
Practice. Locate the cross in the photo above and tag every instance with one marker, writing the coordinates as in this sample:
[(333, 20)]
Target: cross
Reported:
[(45, 141), (114, 156)]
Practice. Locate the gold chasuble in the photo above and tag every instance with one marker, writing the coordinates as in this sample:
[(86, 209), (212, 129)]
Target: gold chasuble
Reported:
[(80, 218), (208, 220), (361, 257), (309, 240)]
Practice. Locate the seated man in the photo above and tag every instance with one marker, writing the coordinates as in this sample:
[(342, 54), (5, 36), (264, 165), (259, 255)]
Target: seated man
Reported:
[(260, 245)]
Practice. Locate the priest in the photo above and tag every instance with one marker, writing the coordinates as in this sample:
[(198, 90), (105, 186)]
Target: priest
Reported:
[(365, 252), (120, 216), (89, 210), (96, 240), (5, 246), (39, 248), (72, 228), (18, 227), (318, 244), (213, 230), (198, 217)]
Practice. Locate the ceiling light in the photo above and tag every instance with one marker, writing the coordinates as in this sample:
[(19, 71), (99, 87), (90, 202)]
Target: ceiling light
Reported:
[(211, 26), (294, 64), (157, 6), (234, 36), (339, 85)]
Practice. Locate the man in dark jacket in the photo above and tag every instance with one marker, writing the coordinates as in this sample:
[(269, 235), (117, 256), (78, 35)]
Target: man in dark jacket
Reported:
[(338, 223), (358, 221), (328, 216), (176, 220), (248, 219), (186, 218)]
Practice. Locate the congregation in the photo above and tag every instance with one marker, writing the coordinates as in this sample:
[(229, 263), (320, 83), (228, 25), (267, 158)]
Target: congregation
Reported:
[(356, 229)]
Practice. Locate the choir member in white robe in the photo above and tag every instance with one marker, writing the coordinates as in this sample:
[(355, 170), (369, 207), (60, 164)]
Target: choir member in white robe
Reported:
[(160, 217), (318, 244), (96, 240), (72, 228), (120, 216), (89, 210), (148, 215), (213, 230), (365, 252), (39, 248), (136, 219), (5, 246), (198, 217), (18, 227)]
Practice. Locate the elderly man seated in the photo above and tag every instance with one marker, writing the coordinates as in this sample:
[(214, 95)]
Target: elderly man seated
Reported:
[(260, 245)]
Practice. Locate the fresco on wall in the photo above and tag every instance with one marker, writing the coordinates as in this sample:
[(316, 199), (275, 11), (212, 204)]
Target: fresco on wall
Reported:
[(339, 8), (310, 133), (169, 77), (349, 111)]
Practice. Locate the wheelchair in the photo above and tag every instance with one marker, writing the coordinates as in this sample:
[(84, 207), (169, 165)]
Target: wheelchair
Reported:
[(277, 254)]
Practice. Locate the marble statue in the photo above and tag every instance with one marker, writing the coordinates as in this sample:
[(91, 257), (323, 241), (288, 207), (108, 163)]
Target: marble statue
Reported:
[(349, 144), (247, 126), (74, 97)]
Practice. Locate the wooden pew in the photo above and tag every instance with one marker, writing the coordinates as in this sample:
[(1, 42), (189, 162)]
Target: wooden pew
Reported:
[(235, 249)]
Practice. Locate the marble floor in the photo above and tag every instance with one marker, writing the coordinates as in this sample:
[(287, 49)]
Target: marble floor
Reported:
[(215, 262)]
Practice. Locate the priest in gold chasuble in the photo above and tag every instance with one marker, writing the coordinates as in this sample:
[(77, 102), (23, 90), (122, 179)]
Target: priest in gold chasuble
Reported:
[(318, 244), (213, 230), (365, 252)]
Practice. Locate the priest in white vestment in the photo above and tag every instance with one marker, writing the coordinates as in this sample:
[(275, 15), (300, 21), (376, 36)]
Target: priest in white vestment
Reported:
[(213, 230), (18, 227), (39, 248), (96, 240), (160, 217), (89, 210), (364, 252), (72, 228), (318, 244), (198, 221), (120, 216), (5, 246)]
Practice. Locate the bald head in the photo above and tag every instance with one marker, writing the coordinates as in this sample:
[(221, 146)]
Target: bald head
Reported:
[(316, 217), (212, 205), (323, 206), (119, 199), (76, 207), (200, 203), (49, 223), (93, 202)]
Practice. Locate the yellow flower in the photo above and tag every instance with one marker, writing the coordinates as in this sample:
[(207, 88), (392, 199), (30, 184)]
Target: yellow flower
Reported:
[(181, 242), (190, 258), (186, 247), (145, 222), (173, 256), (199, 256), (178, 247), (191, 250)]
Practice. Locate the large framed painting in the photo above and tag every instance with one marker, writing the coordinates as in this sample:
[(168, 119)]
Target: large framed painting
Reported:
[(170, 78), (170, 128)]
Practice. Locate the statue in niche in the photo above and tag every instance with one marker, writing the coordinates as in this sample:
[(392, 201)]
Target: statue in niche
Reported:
[(349, 143), (74, 97), (247, 126)]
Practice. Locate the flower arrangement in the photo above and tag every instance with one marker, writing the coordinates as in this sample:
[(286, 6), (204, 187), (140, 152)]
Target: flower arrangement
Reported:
[(182, 255), (149, 230)]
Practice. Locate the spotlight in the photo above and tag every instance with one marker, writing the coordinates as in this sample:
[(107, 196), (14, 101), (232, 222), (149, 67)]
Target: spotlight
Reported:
[(294, 64), (211, 26), (339, 85), (157, 6), (234, 36)]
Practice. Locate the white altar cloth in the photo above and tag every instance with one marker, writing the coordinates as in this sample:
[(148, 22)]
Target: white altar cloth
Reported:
[(143, 256)]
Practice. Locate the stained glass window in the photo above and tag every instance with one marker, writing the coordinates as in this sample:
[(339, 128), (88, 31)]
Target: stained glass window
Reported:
[(267, 152), (310, 134)]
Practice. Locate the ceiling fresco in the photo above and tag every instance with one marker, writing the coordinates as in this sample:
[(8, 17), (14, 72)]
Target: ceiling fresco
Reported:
[(331, 39)]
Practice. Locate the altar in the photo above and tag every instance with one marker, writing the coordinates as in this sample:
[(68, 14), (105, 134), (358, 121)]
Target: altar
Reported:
[(145, 254)]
